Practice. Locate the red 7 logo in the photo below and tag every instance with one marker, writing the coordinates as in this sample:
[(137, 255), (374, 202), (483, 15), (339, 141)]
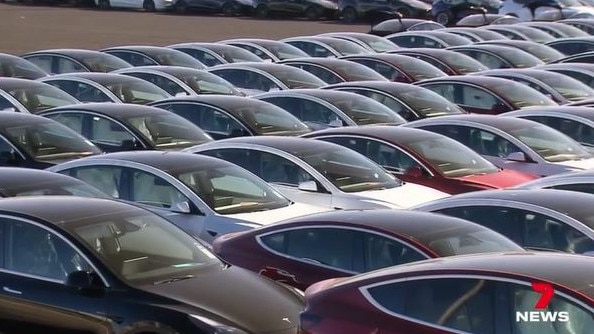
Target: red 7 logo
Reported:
[(546, 294)]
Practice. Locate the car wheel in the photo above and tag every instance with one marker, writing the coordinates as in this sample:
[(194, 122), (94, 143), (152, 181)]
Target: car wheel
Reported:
[(262, 11), (228, 9), (312, 13), (444, 18), (180, 6), (104, 4), (349, 14), (149, 5)]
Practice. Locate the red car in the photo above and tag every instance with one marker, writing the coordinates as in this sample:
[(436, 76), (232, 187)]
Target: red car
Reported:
[(480, 294), (423, 157), (308, 249)]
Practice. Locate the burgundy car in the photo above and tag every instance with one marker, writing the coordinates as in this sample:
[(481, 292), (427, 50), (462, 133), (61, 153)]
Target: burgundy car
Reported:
[(308, 249), (482, 294), (424, 157)]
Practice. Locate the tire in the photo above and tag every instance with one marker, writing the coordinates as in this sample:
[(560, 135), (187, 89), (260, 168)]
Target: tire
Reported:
[(349, 14), (228, 9), (180, 6), (444, 18), (104, 4), (149, 5), (262, 11), (312, 13)]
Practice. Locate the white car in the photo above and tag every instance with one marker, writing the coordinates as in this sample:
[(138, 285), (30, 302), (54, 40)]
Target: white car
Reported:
[(528, 10), (148, 5), (319, 173)]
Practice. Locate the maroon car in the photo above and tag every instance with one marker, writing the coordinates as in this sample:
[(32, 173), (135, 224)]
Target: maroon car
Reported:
[(424, 157), (508, 293), (308, 249)]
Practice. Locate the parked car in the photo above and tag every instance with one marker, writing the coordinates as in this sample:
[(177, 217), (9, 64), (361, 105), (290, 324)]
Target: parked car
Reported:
[(369, 41), (177, 80), (395, 25), (486, 95), (520, 32), (147, 5), (323, 46), (266, 49), (126, 127), (450, 62), (145, 55), (397, 67), (203, 196), (211, 54), (225, 7), (533, 10), (309, 249), (106, 87), (333, 70), (37, 142), (513, 143), (475, 35), (320, 173), (409, 101), (498, 56), (424, 157), (29, 96), (353, 10), (559, 87), (579, 181), (556, 29), (310, 9), (254, 78), (448, 12), (454, 295), (543, 52), (427, 39), (71, 258), (543, 219), (320, 109), (57, 61), (18, 182), (16, 67), (226, 116), (576, 122)]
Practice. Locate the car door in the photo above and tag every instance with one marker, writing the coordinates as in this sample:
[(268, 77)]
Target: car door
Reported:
[(168, 85), (313, 113), (34, 297), (82, 91)]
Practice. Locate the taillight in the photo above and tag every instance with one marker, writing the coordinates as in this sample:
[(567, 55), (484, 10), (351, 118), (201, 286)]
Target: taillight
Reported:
[(308, 322)]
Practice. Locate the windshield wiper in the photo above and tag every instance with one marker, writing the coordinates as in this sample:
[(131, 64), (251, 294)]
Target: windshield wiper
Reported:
[(173, 279)]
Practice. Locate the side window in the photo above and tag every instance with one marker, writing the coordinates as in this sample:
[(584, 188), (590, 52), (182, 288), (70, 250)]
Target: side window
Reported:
[(5, 105), (388, 101), (150, 189), (72, 120), (580, 132), (44, 62), (106, 179), (493, 217), (33, 250), (446, 90), (328, 246), (475, 97), (490, 144), (248, 159), (81, 91), (203, 56), (305, 110), (68, 66), (108, 132), (277, 169), (236, 77), (435, 63), (7, 153), (321, 73), (207, 118), (381, 252), (133, 58), (581, 187), (464, 304), (486, 59), (255, 51), (168, 85), (387, 71)]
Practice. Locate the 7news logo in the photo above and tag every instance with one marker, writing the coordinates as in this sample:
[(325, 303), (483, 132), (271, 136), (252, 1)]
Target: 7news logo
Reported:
[(541, 314)]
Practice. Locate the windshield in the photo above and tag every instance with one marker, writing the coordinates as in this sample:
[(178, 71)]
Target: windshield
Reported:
[(50, 141), (363, 110), (520, 95), (229, 189), (569, 88), (428, 103), (41, 96), (168, 131), (451, 158), (268, 119), (104, 63), (348, 170), (16, 67), (294, 77), (137, 91), (141, 246), (468, 239), (208, 83), (550, 144), (54, 187)]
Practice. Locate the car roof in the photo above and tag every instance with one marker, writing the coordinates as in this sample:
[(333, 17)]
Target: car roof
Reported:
[(483, 81), (330, 62), (263, 66), (570, 270), (98, 77), (395, 88), (487, 47), (489, 120), (227, 102), (584, 39), (173, 70), (18, 118), (394, 134), (292, 145), (16, 177), (111, 109), (148, 49), (568, 66), (584, 112), (74, 53), (16, 83), (324, 94)]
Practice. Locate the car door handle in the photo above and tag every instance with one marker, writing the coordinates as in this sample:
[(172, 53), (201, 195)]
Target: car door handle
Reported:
[(9, 290)]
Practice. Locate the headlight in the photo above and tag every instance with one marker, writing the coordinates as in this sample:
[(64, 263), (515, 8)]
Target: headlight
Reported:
[(217, 328)]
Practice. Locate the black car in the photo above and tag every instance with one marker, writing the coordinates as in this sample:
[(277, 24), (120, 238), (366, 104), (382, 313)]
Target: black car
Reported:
[(448, 12), (16, 67), (376, 10), (311, 9), (86, 265), (37, 142), (114, 127), (56, 61), (226, 7)]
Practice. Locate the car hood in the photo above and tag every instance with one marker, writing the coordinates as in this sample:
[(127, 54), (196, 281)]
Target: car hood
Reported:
[(505, 178), (273, 216), (247, 300), (578, 164), (405, 196)]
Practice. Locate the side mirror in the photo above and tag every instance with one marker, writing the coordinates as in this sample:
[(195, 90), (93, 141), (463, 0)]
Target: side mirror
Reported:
[(181, 207), (83, 280), (335, 123), (516, 156), (308, 186), (414, 172)]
